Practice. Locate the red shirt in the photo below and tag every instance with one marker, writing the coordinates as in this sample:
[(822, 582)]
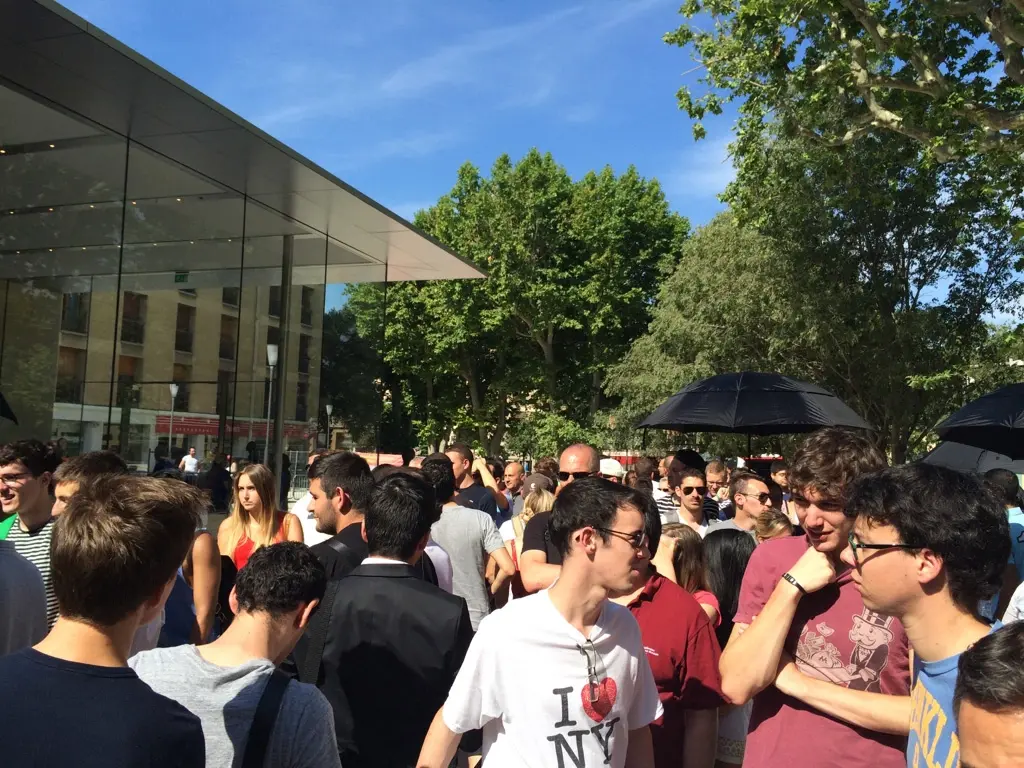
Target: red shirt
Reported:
[(833, 637), (683, 654)]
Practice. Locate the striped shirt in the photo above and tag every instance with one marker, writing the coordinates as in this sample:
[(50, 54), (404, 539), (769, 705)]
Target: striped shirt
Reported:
[(667, 506), (35, 547)]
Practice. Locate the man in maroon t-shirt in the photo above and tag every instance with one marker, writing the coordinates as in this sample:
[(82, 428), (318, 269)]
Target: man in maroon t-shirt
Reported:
[(683, 653), (797, 602)]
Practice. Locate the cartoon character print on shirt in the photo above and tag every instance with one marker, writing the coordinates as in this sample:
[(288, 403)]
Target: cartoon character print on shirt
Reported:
[(870, 635), (596, 698)]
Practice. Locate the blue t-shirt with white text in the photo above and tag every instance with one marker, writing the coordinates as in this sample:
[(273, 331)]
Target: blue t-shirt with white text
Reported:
[(933, 740)]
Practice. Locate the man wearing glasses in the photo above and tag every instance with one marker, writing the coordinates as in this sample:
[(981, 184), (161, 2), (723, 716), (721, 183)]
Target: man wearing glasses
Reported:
[(689, 487), (798, 599), (561, 677), (928, 546), (26, 470), (541, 560), (749, 496)]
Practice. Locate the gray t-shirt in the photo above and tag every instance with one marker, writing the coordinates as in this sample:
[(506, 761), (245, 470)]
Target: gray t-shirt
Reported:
[(22, 601), (727, 525), (468, 536), (225, 700)]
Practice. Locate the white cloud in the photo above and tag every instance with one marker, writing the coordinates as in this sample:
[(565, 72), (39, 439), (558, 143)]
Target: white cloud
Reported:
[(413, 145), (704, 170)]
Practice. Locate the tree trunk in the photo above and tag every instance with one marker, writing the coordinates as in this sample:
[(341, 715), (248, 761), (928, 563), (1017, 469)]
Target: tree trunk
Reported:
[(595, 393), (547, 345), (476, 401)]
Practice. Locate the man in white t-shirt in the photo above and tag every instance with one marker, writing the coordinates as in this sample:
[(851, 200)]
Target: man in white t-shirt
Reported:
[(560, 677), (189, 464)]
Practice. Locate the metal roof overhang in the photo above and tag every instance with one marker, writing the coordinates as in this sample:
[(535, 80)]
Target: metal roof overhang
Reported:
[(190, 166)]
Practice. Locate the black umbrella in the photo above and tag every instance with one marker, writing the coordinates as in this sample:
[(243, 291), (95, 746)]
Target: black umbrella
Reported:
[(5, 410), (967, 458), (753, 404), (994, 422)]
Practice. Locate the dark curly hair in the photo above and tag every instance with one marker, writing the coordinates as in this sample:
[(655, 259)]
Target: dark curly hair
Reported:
[(278, 578), (953, 514), (828, 460)]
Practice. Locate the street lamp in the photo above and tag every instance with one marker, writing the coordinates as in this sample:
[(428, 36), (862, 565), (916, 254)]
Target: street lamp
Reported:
[(330, 409), (272, 362), (170, 426)]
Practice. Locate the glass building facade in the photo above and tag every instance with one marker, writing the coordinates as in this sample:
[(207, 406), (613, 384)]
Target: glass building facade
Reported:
[(152, 246)]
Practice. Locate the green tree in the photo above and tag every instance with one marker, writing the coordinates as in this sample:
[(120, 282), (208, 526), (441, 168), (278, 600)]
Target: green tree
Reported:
[(948, 75), (573, 269), (868, 274)]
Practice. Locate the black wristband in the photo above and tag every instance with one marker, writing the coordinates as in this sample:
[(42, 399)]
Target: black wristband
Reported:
[(789, 577)]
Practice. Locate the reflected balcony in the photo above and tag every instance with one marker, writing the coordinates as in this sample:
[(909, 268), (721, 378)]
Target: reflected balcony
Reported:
[(133, 330), (69, 390), (227, 348), (183, 340)]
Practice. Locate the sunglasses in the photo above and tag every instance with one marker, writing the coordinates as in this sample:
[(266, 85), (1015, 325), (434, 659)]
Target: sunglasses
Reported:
[(636, 540), (688, 489), (563, 476), (764, 498)]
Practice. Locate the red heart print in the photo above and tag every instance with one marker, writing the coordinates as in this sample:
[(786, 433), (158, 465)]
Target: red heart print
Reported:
[(597, 710)]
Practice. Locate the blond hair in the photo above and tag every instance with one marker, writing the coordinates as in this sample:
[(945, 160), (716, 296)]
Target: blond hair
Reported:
[(239, 523), (687, 556), (538, 501), (772, 524)]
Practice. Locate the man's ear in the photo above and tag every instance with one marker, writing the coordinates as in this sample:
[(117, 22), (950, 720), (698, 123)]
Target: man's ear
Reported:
[(306, 613), (362, 530), (233, 601)]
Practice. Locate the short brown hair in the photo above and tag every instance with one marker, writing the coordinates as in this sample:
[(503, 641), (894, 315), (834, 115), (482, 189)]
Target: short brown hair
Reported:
[(828, 460), (120, 540), (548, 466), (463, 450), (90, 466), (645, 466), (738, 483), (716, 466), (675, 477)]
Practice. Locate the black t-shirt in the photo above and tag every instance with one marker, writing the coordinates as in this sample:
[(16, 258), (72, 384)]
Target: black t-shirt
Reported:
[(537, 536), (477, 496), (218, 482), (58, 712)]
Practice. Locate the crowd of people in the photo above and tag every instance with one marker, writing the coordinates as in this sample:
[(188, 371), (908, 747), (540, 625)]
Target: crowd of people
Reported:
[(675, 613)]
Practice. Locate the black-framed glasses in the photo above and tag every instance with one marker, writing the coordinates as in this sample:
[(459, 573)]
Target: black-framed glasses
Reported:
[(856, 545), (688, 489), (637, 540), (824, 505), (564, 476)]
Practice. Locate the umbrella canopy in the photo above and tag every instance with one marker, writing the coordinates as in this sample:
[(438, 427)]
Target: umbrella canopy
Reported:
[(753, 404), (5, 410), (967, 458), (994, 422)]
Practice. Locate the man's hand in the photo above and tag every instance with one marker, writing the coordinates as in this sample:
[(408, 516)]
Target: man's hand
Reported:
[(479, 465), (813, 570)]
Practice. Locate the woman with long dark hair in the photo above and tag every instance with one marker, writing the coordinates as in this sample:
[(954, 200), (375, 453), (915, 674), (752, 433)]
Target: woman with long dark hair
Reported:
[(727, 553)]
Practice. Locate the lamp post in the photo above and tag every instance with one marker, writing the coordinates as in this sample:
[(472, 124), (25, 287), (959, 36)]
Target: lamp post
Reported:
[(272, 362), (170, 426), (330, 409)]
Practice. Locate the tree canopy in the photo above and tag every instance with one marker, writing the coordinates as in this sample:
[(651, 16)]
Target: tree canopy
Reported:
[(948, 75), (574, 267)]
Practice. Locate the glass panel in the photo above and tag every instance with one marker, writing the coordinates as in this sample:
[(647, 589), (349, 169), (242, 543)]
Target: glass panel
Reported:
[(61, 207), (182, 260)]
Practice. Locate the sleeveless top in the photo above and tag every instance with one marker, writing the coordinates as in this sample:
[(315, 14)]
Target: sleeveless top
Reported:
[(246, 546)]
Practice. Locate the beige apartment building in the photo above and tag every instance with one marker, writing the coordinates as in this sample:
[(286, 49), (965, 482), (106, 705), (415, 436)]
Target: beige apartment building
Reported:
[(211, 343)]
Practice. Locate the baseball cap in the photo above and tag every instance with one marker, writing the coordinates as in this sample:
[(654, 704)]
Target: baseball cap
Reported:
[(537, 482), (612, 468)]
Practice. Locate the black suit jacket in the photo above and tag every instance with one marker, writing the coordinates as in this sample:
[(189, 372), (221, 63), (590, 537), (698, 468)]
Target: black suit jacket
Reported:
[(394, 646)]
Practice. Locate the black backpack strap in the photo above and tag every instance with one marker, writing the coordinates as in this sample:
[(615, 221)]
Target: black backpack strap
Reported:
[(319, 625), (263, 721)]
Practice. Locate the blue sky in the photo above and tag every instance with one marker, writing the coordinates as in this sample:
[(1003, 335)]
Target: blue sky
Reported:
[(393, 95)]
